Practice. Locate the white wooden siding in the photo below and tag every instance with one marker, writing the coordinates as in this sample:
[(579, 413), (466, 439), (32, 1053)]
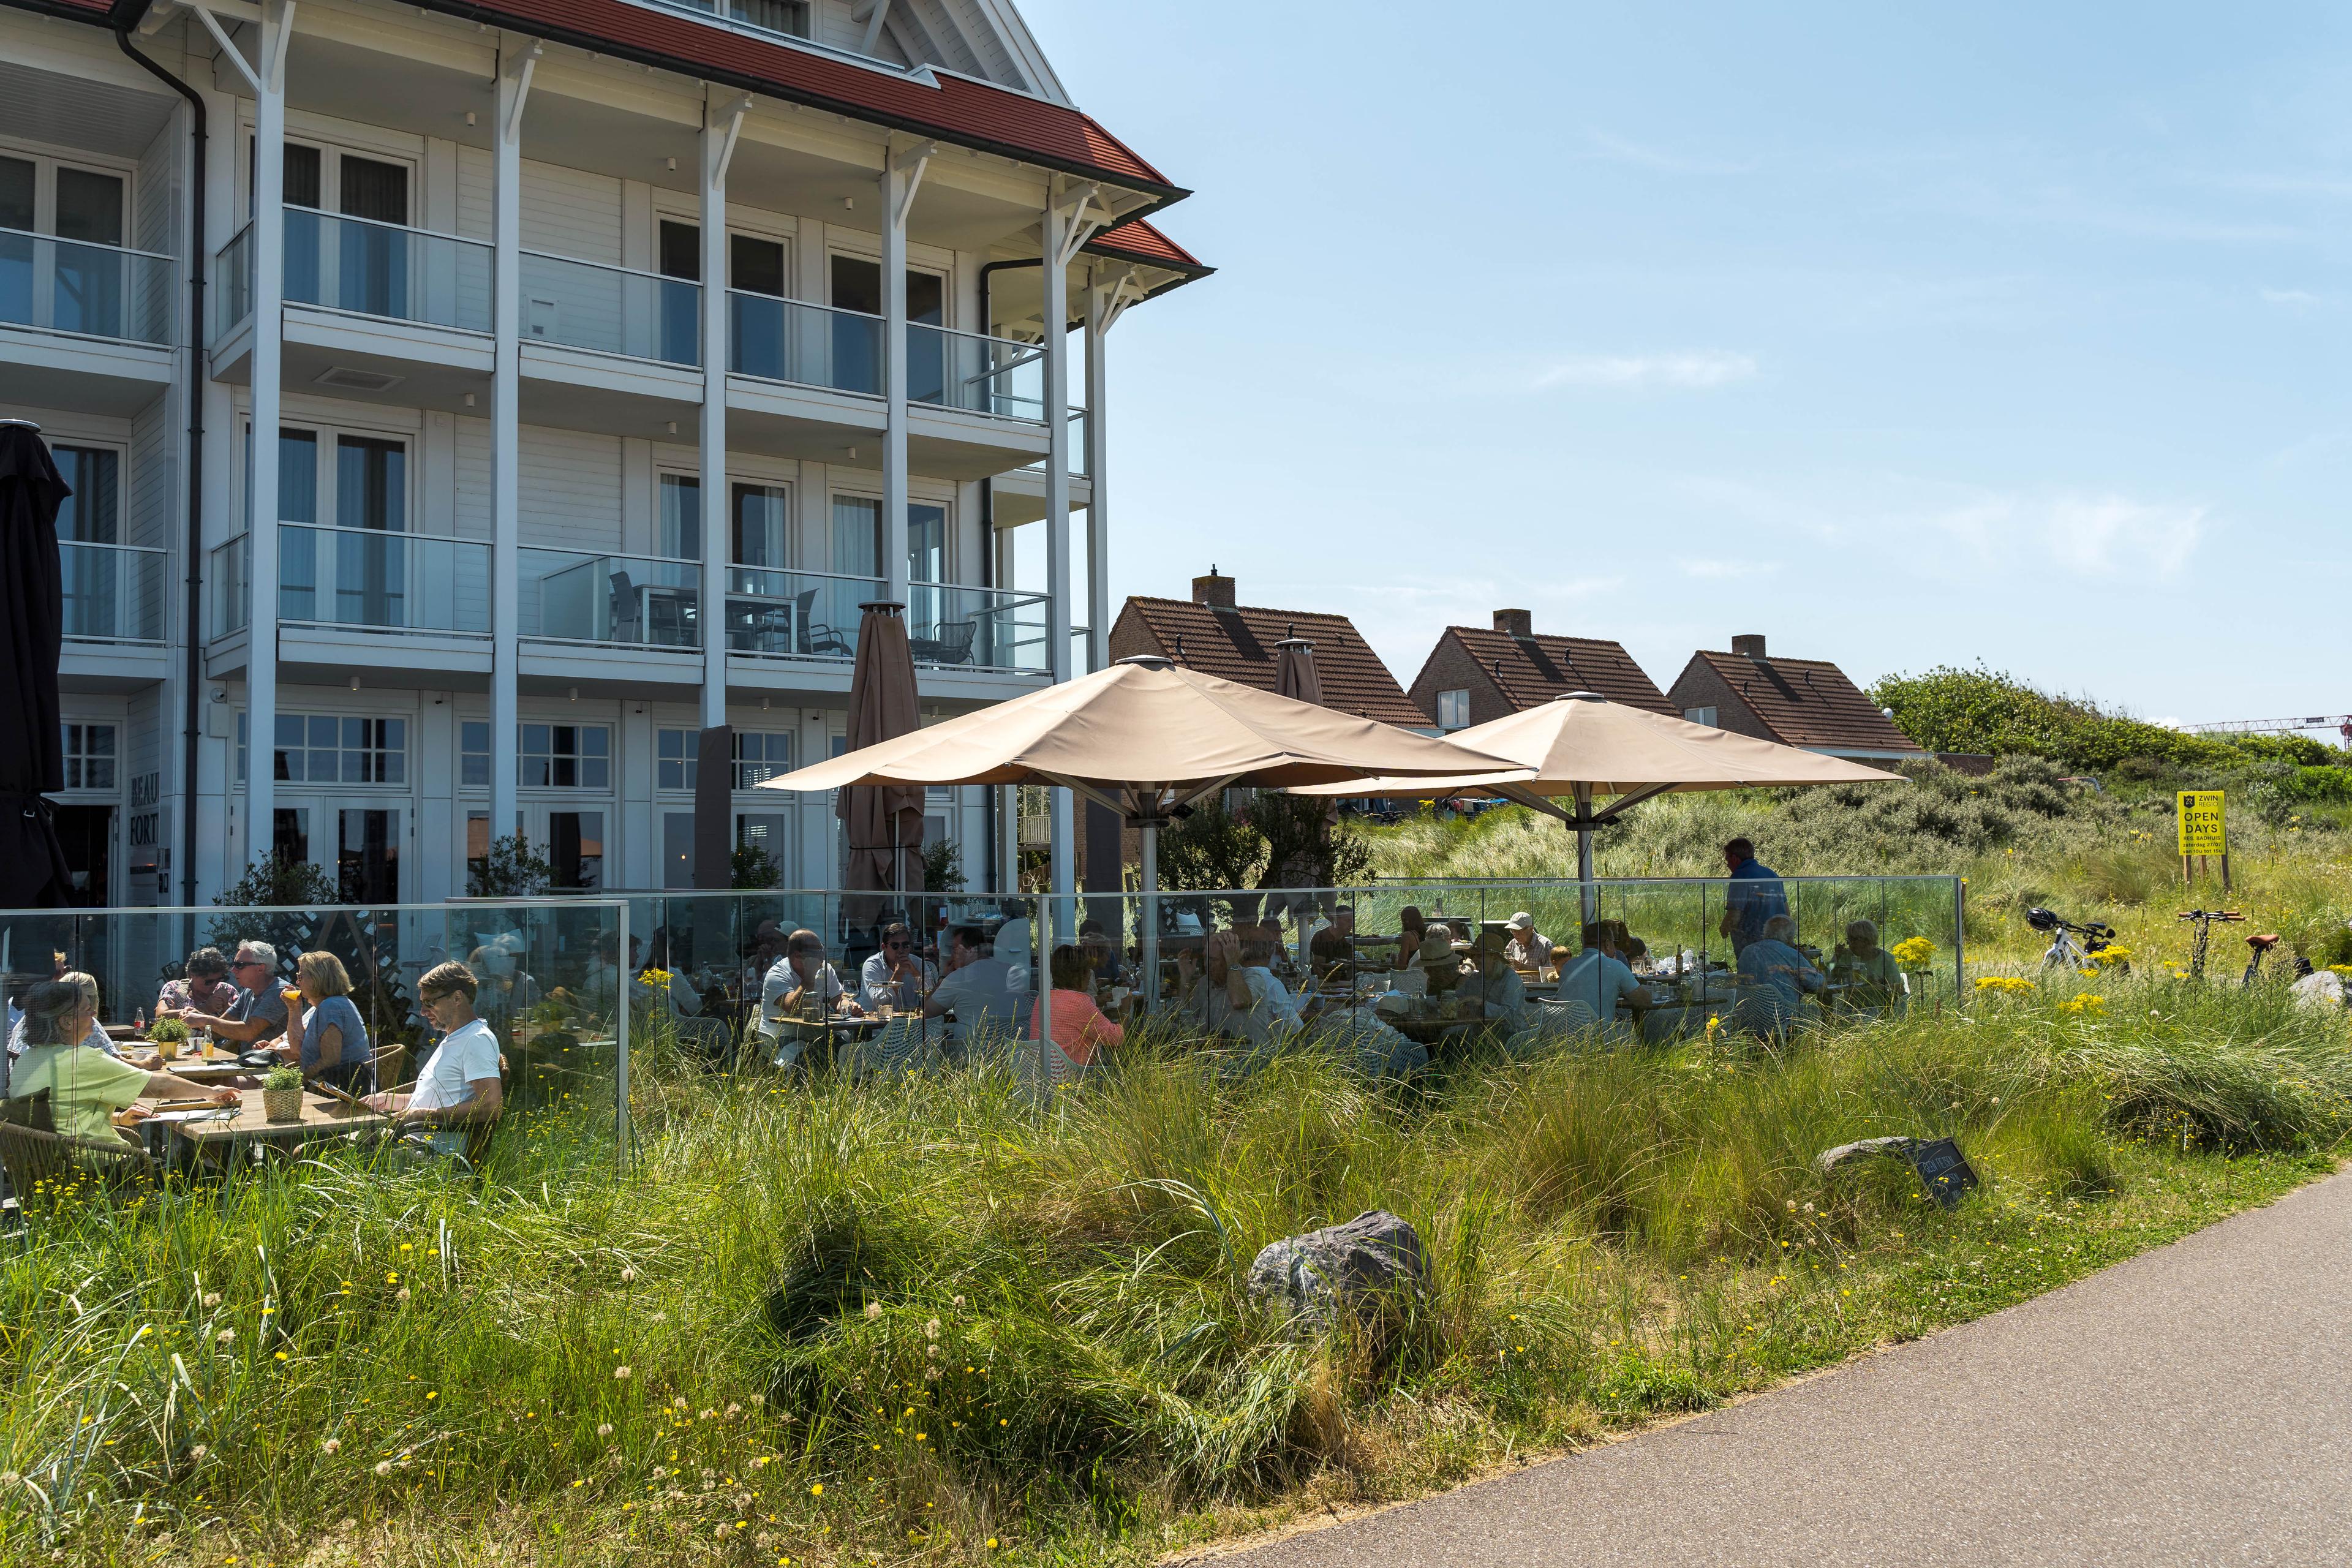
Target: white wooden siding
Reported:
[(478, 184), (568, 212), (571, 489)]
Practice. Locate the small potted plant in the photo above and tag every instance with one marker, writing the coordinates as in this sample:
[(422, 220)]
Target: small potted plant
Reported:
[(281, 1094), (169, 1037)]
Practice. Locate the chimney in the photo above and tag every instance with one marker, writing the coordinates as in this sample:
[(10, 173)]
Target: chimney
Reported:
[(1215, 590), (1518, 623), (1750, 646)]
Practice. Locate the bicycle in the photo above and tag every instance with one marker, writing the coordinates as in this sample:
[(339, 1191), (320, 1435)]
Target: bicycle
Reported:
[(2065, 952), (2203, 920)]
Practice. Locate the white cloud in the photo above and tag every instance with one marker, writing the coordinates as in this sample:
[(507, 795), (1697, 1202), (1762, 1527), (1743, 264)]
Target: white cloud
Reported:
[(2299, 299), (1699, 371), (2088, 535)]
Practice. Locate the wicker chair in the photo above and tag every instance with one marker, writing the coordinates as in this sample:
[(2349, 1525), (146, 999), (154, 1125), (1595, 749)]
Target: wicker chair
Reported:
[(903, 1046), (38, 1159)]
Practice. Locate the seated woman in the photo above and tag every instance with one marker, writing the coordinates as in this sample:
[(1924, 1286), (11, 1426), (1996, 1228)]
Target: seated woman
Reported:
[(1872, 977), (1204, 985), (1411, 926), (86, 1086), (1780, 977), (1437, 958), (1079, 1026), (329, 1041)]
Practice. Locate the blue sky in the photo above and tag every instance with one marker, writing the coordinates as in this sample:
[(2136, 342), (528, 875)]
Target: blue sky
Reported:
[(1904, 335)]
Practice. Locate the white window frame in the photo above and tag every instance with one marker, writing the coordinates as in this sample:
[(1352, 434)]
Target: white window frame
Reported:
[(330, 171), (240, 750), (324, 434), (85, 791), (1707, 716), (551, 793), (47, 160), (1454, 709)]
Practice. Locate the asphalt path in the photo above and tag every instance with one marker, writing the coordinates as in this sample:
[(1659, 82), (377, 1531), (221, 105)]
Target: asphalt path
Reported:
[(2191, 1407)]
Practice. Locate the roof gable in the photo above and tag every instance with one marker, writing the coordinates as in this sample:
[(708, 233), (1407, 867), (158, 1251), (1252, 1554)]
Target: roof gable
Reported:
[(1238, 645), (1808, 702), (1533, 670)]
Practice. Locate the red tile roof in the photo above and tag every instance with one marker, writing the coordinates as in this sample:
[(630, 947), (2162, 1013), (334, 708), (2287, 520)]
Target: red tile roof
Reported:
[(1239, 645), (953, 107), (1139, 241), (1808, 702), (1534, 669), (79, 10)]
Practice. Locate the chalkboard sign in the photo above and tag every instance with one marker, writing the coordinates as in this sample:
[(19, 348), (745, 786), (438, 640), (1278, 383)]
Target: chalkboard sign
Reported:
[(1943, 1170)]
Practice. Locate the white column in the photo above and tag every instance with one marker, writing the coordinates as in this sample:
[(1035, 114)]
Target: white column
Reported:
[(896, 194), (1100, 299), (267, 365), (506, 436), (718, 134), (1057, 509)]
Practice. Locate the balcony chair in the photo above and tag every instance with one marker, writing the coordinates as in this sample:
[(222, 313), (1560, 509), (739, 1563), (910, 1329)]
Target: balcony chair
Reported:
[(815, 636), (670, 617), (953, 646), (628, 626)]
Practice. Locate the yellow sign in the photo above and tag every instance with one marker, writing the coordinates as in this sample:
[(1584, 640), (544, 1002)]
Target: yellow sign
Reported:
[(2200, 823)]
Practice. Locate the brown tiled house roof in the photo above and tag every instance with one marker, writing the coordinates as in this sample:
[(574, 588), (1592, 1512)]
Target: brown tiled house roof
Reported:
[(1237, 643), (1535, 669), (1805, 703)]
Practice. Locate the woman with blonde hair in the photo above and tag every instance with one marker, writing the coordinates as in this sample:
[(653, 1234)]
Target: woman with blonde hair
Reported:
[(86, 1086), (328, 1038)]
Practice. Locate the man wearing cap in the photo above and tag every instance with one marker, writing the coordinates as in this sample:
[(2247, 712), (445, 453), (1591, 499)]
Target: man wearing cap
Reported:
[(1528, 948)]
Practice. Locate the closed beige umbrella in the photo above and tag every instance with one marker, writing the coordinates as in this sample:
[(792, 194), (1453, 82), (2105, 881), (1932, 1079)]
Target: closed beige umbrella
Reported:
[(1295, 675), (1583, 746), (1143, 738)]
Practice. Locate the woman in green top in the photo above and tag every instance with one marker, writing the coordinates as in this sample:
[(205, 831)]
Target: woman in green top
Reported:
[(86, 1086)]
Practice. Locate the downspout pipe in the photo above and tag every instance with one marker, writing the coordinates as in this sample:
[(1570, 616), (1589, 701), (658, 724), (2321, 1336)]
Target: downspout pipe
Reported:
[(192, 726)]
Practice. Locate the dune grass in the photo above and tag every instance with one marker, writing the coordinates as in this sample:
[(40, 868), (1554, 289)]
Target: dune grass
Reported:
[(935, 1320)]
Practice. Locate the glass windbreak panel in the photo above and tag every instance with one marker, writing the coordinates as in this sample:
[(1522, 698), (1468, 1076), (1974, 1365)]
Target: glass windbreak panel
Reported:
[(811, 615), (681, 517), (581, 305), (856, 535), (628, 599), (762, 521), (92, 513)]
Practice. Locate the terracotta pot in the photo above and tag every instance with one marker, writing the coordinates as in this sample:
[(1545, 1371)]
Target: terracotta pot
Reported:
[(281, 1104)]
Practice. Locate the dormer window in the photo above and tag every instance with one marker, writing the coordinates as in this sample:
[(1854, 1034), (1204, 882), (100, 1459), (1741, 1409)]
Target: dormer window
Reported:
[(787, 17)]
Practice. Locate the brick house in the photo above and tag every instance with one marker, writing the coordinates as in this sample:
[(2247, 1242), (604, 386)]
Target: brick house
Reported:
[(1209, 633), (1476, 674), (1803, 702)]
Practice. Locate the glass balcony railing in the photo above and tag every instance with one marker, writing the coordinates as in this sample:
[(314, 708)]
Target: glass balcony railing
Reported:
[(611, 310), (955, 627), (1078, 447), (358, 578), (796, 615), (92, 290), (395, 582), (233, 284), (633, 601), (113, 593), (382, 270), (231, 576), (810, 346), (977, 373)]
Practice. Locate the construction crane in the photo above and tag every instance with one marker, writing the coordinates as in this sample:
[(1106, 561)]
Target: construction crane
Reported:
[(2340, 722)]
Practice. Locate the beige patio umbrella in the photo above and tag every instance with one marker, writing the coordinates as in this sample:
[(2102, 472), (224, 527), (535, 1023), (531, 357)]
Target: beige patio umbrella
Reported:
[(1144, 738), (1583, 745)]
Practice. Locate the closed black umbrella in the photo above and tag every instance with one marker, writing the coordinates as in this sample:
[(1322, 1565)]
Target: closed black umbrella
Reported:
[(33, 872)]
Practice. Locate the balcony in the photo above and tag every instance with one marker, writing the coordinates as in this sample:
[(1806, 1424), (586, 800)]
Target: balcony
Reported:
[(368, 578), (796, 615), (803, 345), (113, 593), (975, 373), (623, 601), (952, 627), (611, 311), (85, 327)]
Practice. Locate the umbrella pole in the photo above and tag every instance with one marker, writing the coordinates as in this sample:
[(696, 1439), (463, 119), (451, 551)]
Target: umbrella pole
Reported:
[(1587, 895), (1150, 941)]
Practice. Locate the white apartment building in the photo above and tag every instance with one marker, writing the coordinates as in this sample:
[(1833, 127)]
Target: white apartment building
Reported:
[(616, 353)]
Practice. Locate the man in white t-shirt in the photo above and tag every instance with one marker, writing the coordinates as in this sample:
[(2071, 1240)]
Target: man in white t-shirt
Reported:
[(457, 1088)]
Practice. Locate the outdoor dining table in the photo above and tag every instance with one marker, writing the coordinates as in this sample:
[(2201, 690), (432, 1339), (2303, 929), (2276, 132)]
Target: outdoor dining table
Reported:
[(820, 1039), (214, 1136), (217, 1069)]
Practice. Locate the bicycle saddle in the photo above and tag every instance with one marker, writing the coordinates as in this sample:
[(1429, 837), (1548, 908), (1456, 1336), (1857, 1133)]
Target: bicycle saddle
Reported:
[(2263, 944)]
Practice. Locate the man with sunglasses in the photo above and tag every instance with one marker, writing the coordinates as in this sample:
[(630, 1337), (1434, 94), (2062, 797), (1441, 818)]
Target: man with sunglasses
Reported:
[(258, 1014), (895, 975)]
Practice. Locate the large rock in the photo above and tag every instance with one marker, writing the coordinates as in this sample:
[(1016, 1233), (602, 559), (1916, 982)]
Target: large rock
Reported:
[(1828, 1160), (1373, 1260)]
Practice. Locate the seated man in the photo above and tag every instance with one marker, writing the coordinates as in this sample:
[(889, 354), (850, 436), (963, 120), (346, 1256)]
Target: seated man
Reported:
[(86, 1086), (458, 1086), (1599, 978), (204, 986), (1859, 962), (1781, 977), (801, 978), (1335, 943), (987, 997), (1528, 948), (258, 1014), (1110, 966), (895, 975)]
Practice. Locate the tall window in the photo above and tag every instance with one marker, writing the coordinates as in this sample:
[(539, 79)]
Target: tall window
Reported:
[(89, 756), (927, 542), (762, 536), (91, 515), (85, 207), (474, 755), (681, 517), (857, 536), (566, 756)]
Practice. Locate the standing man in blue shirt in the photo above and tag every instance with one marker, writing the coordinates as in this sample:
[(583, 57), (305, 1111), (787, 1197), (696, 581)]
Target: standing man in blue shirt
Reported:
[(1755, 896)]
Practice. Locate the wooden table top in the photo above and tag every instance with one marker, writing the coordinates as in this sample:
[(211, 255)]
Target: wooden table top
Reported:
[(321, 1115), (221, 1070)]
